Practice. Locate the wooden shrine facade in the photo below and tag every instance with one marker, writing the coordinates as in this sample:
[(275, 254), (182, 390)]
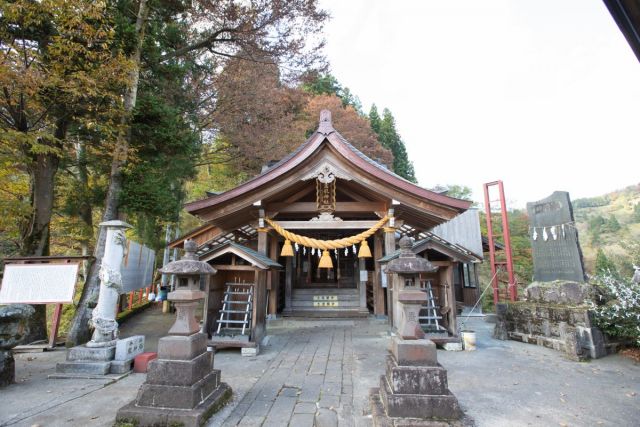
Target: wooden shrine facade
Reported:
[(325, 190)]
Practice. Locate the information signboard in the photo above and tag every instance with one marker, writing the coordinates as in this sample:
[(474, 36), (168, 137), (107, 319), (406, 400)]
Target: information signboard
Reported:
[(38, 283)]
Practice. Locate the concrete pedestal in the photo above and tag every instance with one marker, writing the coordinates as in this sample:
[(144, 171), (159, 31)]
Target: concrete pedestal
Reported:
[(182, 388), (414, 390), (87, 360)]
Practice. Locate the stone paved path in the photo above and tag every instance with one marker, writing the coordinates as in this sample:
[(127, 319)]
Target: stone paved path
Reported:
[(310, 377)]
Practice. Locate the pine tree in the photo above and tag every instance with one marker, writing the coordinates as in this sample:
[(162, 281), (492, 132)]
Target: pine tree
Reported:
[(389, 138), (374, 119)]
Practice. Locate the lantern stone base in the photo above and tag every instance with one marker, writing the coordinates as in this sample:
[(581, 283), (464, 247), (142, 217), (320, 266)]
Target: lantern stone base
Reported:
[(181, 388), (87, 360), (152, 416), (414, 390)]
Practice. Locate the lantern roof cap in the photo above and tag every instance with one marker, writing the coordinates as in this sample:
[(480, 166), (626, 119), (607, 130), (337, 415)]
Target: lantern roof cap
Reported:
[(408, 262), (189, 264)]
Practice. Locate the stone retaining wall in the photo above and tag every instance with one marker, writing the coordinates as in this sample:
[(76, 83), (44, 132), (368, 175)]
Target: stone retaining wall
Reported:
[(562, 328)]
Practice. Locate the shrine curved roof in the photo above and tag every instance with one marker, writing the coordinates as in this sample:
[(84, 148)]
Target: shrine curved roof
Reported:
[(327, 133)]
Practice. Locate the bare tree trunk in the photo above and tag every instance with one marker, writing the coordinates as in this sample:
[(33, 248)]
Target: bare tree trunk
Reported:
[(85, 211), (79, 332), (36, 236)]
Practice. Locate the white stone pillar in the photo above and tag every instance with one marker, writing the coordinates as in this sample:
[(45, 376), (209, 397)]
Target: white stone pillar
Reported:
[(103, 318)]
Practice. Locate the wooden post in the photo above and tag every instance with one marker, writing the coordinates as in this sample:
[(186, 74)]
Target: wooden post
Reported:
[(362, 285), (288, 284), (275, 278), (389, 248), (130, 300), (449, 289), (55, 323), (378, 290), (260, 290)]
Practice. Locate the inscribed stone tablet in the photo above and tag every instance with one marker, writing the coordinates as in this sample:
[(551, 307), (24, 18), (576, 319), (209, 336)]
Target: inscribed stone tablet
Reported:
[(128, 348), (38, 283), (558, 257)]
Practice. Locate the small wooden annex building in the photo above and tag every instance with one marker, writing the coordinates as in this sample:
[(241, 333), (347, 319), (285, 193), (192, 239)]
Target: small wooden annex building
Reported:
[(329, 191)]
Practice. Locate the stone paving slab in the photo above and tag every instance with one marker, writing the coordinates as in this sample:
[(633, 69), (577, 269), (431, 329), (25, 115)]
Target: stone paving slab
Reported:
[(503, 383)]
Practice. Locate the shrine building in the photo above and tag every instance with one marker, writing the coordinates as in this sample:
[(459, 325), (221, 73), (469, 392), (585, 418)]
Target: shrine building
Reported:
[(310, 236)]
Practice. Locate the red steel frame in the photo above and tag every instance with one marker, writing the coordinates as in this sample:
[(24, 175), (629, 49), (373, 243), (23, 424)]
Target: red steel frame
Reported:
[(512, 289)]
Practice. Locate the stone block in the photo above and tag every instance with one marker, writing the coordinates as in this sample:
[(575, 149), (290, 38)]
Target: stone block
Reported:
[(120, 366), (144, 416), (79, 367), (452, 346), (14, 324), (416, 379), (250, 351), (141, 361), (7, 368), (179, 372), (175, 396), (129, 348), (414, 352), (326, 418), (592, 341), (95, 354), (442, 407), (182, 347)]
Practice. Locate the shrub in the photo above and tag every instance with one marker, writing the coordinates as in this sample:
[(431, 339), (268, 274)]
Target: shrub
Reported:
[(617, 309)]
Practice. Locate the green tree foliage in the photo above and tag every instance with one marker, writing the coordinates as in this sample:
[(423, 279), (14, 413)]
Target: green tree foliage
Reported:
[(375, 119), (590, 202), (454, 190), (389, 138), (317, 83), (604, 266), (636, 213), (612, 225), (520, 242)]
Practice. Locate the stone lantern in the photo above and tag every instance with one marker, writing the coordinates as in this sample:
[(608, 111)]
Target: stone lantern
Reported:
[(414, 390), (181, 387), (407, 269)]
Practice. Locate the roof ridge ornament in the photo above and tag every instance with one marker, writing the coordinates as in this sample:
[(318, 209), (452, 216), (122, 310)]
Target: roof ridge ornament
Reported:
[(326, 125)]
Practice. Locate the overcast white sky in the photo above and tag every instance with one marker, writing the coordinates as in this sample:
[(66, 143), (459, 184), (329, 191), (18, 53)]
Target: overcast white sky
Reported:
[(541, 94)]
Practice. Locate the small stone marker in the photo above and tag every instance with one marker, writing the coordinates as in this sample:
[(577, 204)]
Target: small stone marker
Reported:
[(554, 240), (128, 348)]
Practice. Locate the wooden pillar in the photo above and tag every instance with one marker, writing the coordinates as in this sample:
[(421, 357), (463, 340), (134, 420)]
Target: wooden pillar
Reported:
[(288, 284), (389, 248), (362, 285), (274, 278), (378, 290), (260, 290), (451, 296)]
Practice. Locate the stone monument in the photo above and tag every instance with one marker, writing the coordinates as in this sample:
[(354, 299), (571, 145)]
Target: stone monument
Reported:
[(554, 240), (182, 388), (414, 390), (96, 356), (14, 328), (554, 312)]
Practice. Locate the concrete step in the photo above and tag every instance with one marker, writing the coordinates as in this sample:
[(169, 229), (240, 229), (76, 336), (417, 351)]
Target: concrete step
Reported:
[(310, 304), (332, 312), (325, 291)]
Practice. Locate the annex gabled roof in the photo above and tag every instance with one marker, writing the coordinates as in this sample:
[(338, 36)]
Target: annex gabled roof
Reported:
[(432, 241), (423, 207), (255, 258)]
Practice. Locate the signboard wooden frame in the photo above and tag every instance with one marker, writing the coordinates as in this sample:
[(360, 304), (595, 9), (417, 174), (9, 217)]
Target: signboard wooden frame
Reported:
[(55, 323)]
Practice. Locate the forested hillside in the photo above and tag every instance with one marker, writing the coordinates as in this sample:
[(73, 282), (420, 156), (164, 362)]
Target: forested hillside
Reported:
[(609, 227)]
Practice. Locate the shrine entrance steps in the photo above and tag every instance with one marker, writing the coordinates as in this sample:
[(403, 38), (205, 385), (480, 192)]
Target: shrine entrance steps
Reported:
[(326, 303)]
